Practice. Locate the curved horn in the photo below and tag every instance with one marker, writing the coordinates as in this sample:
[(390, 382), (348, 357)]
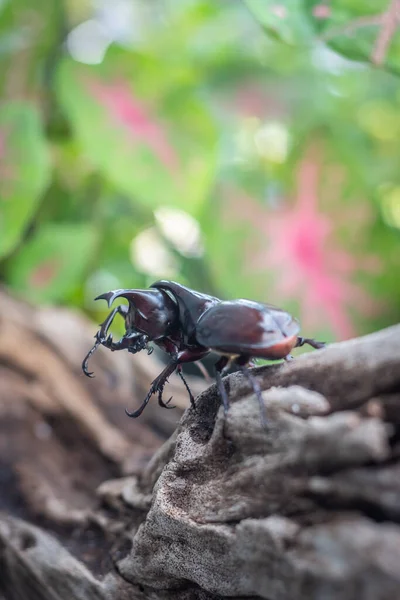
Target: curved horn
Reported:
[(111, 296), (143, 300), (130, 295)]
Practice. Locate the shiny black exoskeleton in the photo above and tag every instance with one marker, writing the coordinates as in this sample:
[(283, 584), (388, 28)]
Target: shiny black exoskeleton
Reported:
[(188, 325)]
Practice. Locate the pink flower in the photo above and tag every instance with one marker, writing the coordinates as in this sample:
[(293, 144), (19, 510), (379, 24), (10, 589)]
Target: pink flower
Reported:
[(124, 108), (301, 247)]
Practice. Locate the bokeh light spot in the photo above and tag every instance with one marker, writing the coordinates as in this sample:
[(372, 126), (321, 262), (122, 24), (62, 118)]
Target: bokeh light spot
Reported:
[(390, 207), (88, 42), (150, 255), (380, 119), (272, 142), (181, 230)]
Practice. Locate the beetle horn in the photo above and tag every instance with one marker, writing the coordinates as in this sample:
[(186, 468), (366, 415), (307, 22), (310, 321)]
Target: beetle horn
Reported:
[(142, 300), (111, 296)]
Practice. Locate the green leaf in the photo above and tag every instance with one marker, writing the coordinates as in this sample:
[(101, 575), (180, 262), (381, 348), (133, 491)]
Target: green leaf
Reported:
[(285, 21), (363, 31), (54, 262), (24, 170), (154, 145), (359, 30)]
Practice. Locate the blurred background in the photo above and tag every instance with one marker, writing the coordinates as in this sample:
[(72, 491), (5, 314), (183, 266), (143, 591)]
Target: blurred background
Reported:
[(244, 148)]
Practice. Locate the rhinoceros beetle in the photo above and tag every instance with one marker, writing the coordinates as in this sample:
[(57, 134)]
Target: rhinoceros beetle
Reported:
[(188, 325)]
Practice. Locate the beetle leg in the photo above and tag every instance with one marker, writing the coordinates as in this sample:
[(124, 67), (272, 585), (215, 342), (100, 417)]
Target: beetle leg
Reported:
[(101, 335), (86, 359), (225, 370), (204, 372), (317, 345), (191, 398), (188, 355), (156, 385), (223, 361), (133, 342), (105, 326), (255, 385), (161, 402)]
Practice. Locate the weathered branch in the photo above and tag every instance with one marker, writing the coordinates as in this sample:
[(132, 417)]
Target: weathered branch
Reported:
[(307, 508), (301, 510)]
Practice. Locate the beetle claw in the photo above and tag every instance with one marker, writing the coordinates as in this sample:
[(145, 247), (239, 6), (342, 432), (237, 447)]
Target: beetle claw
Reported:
[(86, 372), (134, 414), (167, 405), (86, 359), (161, 402), (85, 367), (313, 343), (319, 345)]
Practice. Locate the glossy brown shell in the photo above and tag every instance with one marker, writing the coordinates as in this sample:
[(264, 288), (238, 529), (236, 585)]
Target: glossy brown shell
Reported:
[(249, 328)]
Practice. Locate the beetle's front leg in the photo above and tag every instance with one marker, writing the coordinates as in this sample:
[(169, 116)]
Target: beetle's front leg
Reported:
[(105, 326), (101, 335), (134, 342)]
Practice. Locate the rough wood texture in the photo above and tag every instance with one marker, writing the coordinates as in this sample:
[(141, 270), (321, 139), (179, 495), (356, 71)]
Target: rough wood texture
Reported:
[(307, 509)]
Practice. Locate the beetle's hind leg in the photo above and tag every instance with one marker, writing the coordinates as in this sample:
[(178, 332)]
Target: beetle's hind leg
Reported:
[(317, 345), (241, 362), (220, 365), (101, 335)]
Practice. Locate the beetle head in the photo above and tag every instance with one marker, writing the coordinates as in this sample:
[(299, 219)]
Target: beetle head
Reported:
[(151, 312)]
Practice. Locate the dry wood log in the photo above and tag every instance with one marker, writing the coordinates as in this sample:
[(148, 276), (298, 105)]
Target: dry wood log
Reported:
[(308, 508), (61, 434)]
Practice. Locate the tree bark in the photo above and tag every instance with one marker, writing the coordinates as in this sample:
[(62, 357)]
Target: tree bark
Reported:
[(94, 507)]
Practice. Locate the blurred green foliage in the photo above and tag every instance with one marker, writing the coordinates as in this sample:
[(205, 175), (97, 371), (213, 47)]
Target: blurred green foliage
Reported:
[(234, 146)]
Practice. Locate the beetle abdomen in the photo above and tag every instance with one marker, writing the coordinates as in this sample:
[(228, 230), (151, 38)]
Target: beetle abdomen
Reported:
[(245, 327)]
